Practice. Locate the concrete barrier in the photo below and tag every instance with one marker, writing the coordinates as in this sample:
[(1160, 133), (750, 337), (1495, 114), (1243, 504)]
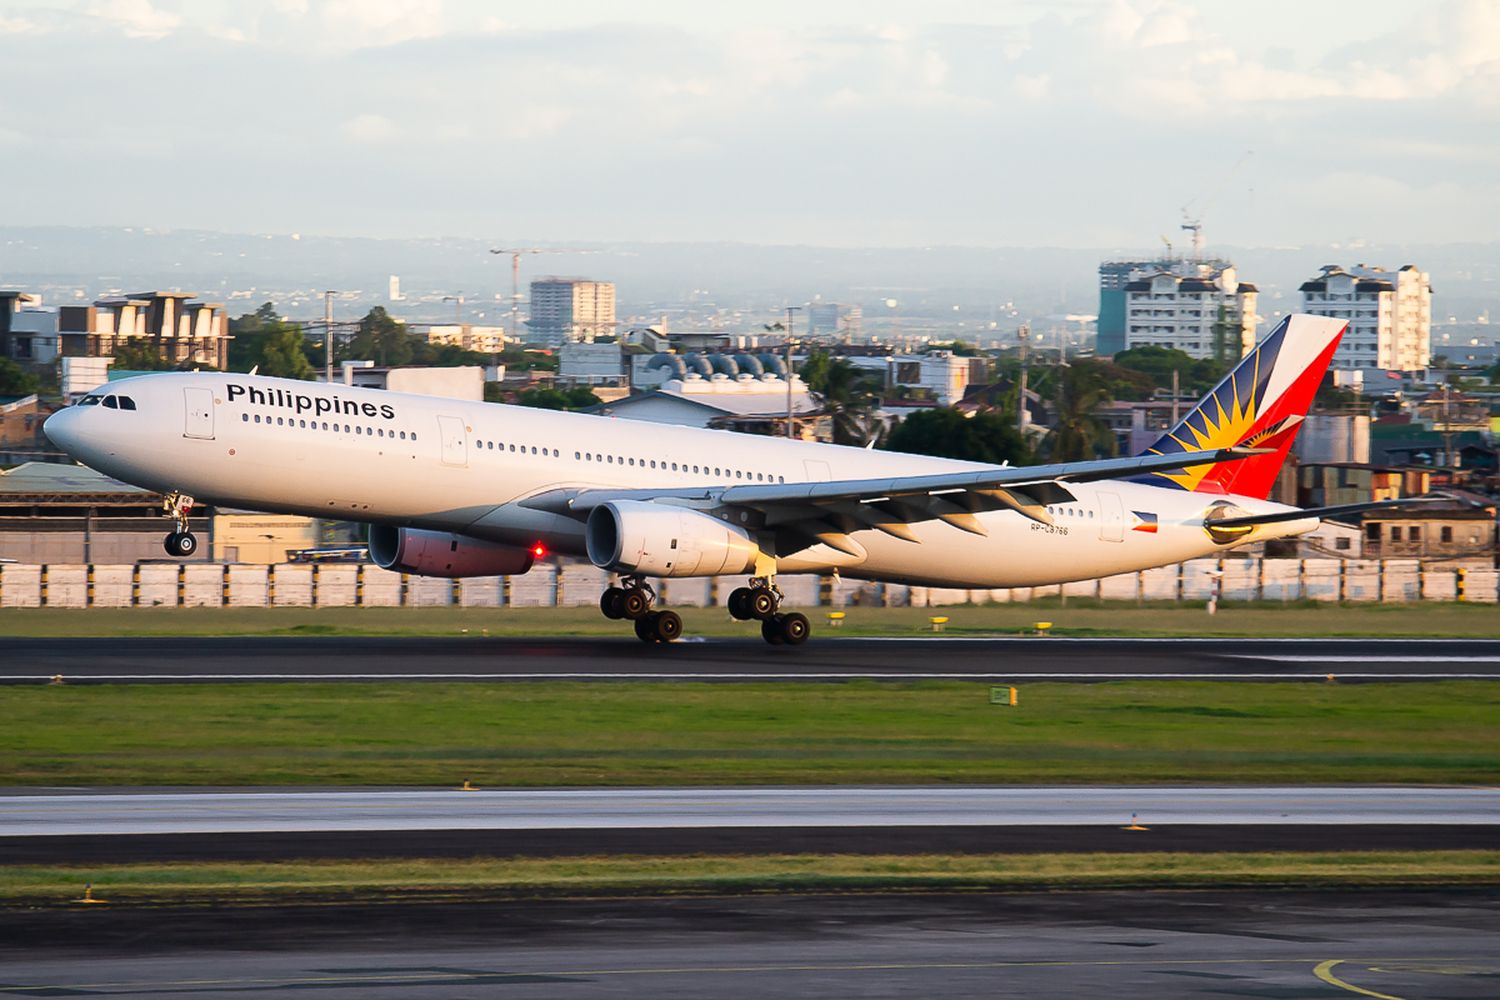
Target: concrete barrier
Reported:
[(291, 585), (1161, 583), (1400, 581), (156, 585), (429, 592), (481, 591), (67, 586), (1241, 580), (537, 589), (1198, 580), (580, 584), (335, 585), (113, 586), (1280, 579), (1439, 585), (1124, 587), (379, 588), (1362, 580), (687, 592), (1480, 585), (202, 585), (249, 585)]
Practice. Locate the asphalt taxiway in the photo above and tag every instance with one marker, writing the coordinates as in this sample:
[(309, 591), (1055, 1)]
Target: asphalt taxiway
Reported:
[(475, 658), (1392, 944)]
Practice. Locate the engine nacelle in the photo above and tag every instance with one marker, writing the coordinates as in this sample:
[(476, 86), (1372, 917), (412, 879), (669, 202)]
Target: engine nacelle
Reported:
[(441, 553), (632, 536)]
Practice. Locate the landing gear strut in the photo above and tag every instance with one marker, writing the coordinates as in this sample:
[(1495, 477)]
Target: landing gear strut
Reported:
[(181, 542), (762, 600), (635, 602)]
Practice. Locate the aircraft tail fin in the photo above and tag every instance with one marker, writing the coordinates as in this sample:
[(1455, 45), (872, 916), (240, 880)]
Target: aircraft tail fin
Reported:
[(1259, 404)]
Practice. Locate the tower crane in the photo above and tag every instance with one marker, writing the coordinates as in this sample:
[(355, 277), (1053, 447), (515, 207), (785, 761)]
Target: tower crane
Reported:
[(515, 276), (1194, 224)]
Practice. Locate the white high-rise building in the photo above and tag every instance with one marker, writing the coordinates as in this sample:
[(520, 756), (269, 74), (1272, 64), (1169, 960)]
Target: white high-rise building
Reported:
[(1203, 310), (1389, 314), (570, 309)]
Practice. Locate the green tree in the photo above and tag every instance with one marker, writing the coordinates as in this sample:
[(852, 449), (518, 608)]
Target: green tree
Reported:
[(1196, 375), (985, 437), (1120, 382), (15, 380), (845, 394), (576, 398), (139, 355), (1077, 433), (283, 354), (382, 339)]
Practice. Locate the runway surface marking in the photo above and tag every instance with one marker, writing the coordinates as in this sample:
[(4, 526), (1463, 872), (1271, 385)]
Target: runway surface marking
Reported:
[(708, 808), (1324, 971), (445, 975), (1322, 658), (604, 675)]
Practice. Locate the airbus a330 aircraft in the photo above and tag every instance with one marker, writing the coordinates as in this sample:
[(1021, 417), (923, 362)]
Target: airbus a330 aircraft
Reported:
[(454, 488)]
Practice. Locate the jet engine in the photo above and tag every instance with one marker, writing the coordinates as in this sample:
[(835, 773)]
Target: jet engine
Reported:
[(441, 553), (633, 536)]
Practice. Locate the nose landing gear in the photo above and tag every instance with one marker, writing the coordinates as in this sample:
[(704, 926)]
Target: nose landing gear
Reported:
[(762, 600), (635, 602), (181, 542)]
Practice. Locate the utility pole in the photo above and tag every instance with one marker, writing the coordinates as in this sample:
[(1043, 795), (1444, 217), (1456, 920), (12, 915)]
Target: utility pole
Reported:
[(458, 301), (328, 334), (789, 310), (1175, 397), (1022, 335)]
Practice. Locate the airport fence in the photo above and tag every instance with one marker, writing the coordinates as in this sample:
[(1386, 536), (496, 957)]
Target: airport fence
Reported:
[(569, 584)]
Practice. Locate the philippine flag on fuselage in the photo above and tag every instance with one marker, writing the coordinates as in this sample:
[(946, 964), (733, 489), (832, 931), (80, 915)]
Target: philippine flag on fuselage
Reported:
[(1145, 521)]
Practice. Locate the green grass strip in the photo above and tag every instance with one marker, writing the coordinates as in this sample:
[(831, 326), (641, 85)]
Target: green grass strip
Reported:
[(435, 879), (862, 732)]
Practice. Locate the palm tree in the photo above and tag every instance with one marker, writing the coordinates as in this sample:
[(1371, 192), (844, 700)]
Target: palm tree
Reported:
[(844, 392), (1078, 435)]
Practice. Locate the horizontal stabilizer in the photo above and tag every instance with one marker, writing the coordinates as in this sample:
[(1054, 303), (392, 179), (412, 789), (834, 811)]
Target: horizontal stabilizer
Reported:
[(1250, 520)]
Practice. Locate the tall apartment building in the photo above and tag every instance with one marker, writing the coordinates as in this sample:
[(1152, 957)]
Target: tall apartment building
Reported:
[(570, 309), (1113, 324), (1199, 308), (1389, 314)]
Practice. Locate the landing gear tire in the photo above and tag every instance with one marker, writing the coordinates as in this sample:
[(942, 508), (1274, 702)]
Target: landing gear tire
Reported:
[(795, 628), (791, 629), (180, 544), (762, 603), (739, 604), (658, 626), (611, 602), (635, 604), (770, 630)]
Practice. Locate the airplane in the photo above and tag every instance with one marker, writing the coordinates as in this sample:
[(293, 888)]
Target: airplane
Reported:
[(454, 488)]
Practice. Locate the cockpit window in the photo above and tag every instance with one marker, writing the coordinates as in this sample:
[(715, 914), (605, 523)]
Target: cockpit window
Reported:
[(89, 401), (110, 403), (126, 403)]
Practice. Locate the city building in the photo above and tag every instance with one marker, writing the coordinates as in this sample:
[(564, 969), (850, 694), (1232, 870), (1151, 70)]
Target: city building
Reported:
[(570, 309), (480, 339), (181, 330), (694, 400), (834, 321), (1112, 325), (1389, 314), (28, 332), (458, 382), (1458, 534), (1201, 309), (581, 363)]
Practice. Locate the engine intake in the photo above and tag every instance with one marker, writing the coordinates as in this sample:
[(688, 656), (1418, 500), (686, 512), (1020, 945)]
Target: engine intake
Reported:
[(633, 536), (441, 553)]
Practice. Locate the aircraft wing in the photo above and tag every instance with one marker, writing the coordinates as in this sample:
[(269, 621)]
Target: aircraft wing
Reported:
[(1250, 520), (808, 513)]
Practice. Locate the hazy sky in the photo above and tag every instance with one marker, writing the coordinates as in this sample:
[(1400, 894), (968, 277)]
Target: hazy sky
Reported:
[(842, 122)]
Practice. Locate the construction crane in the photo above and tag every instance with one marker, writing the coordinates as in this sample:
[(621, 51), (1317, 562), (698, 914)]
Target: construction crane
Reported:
[(1194, 223), (515, 277)]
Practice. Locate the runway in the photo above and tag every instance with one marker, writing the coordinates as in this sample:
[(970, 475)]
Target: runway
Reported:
[(282, 659), (704, 808), (1173, 945)]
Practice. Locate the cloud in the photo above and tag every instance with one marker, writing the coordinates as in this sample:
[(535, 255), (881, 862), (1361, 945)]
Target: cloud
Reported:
[(370, 129), (136, 18), (365, 23)]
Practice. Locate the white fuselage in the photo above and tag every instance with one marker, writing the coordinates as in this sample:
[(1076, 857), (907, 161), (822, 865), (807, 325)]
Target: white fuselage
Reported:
[(356, 454)]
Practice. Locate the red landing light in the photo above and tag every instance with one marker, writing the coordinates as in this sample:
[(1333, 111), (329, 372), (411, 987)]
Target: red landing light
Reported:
[(539, 550)]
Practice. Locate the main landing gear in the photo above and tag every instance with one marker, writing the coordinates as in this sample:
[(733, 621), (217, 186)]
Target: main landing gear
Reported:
[(634, 602), (181, 542), (762, 600)]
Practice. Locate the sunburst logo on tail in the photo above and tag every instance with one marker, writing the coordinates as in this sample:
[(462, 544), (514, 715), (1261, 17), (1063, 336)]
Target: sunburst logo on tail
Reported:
[(1261, 403)]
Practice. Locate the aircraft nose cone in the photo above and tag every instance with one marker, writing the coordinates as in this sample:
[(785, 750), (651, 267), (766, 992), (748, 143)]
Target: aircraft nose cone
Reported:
[(62, 429)]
